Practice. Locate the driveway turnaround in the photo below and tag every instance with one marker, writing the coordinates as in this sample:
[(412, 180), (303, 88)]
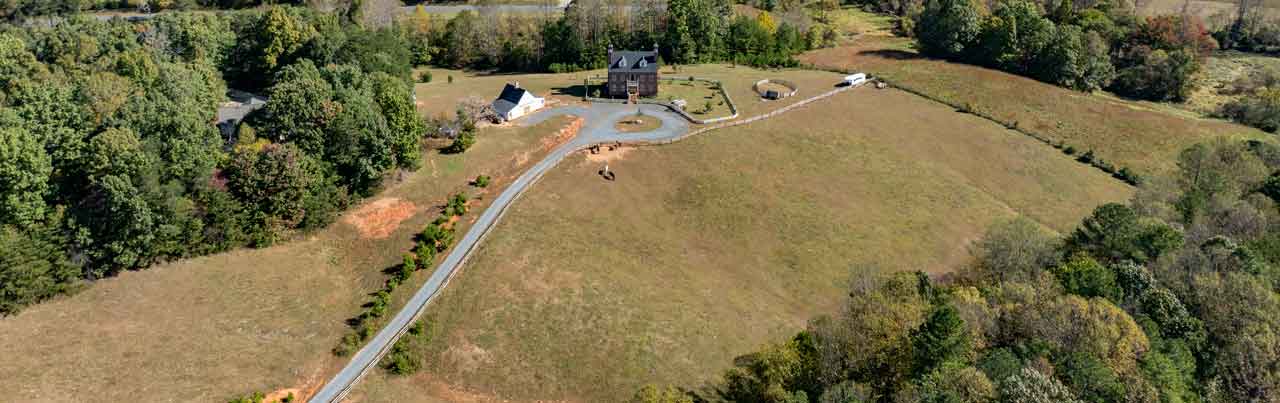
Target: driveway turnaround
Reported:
[(597, 129)]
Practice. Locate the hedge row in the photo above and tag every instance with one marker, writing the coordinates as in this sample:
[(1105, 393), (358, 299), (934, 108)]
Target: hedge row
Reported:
[(435, 238)]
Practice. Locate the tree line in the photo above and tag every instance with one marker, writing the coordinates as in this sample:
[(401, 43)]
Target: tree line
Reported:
[(110, 160), (1101, 47), (686, 32), (1172, 297)]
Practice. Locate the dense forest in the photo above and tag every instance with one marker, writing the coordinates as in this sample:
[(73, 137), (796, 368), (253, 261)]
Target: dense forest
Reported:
[(1170, 298), (110, 161)]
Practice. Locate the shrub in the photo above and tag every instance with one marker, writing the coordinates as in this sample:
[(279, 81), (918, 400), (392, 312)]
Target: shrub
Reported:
[(1128, 176), (1105, 166), (451, 79), (1261, 110), (349, 344), (481, 181), (256, 397), (464, 141), (1087, 157), (1069, 150), (401, 361), (457, 205), (424, 77), (407, 268), (426, 253)]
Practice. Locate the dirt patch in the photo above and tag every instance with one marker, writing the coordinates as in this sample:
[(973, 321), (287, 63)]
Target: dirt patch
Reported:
[(607, 155), (564, 134), (449, 393), (637, 123), (467, 356), (281, 394), (378, 219)]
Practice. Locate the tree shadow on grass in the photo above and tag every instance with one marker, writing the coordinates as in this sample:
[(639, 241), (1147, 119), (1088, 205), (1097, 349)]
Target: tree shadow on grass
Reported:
[(576, 90), (892, 54)]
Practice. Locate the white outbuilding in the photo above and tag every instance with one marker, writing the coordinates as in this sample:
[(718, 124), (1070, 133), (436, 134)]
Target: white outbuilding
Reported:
[(855, 79), (515, 102)]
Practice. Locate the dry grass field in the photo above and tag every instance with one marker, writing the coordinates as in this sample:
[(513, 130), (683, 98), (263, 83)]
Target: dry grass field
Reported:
[(706, 248), (210, 328), (1143, 136)]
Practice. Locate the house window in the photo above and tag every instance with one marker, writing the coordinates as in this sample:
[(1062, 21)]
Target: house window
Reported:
[(633, 76)]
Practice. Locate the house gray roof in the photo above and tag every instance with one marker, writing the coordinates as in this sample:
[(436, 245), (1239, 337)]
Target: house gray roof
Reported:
[(512, 94), (631, 61)]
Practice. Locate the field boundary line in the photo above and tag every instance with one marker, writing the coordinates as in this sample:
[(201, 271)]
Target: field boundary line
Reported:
[(1122, 174)]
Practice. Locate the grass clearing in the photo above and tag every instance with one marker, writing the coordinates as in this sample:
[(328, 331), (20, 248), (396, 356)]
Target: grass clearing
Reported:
[(1143, 136), (210, 328), (853, 20), (1219, 72), (704, 101), (704, 249)]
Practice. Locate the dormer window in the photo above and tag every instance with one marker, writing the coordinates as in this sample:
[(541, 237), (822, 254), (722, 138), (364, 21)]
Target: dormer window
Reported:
[(622, 62), (643, 63)]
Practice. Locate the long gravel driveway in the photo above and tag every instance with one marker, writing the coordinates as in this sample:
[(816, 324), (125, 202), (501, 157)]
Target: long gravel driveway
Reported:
[(597, 128)]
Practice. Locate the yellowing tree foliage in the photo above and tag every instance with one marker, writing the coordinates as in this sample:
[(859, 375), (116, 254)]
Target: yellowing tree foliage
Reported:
[(766, 21)]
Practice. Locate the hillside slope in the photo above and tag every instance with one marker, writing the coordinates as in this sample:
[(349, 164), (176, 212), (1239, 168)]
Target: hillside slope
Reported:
[(703, 249)]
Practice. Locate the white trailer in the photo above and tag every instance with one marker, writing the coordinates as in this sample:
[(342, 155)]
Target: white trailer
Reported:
[(855, 79)]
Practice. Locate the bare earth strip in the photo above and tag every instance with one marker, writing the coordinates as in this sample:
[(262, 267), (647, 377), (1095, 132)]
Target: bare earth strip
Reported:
[(703, 249)]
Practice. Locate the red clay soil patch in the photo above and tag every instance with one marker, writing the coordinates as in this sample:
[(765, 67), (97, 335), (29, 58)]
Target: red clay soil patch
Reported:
[(380, 218), (607, 154), (567, 132), (280, 395)]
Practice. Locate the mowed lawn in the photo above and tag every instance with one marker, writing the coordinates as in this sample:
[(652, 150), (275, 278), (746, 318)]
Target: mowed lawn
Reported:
[(1141, 136), (704, 249), (211, 328)]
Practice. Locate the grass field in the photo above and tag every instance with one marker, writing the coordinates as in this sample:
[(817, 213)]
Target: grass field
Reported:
[(706, 248), (210, 328), (1143, 136)]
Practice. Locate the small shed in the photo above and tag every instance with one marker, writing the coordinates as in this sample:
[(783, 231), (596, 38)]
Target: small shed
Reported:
[(515, 102), (855, 79)]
